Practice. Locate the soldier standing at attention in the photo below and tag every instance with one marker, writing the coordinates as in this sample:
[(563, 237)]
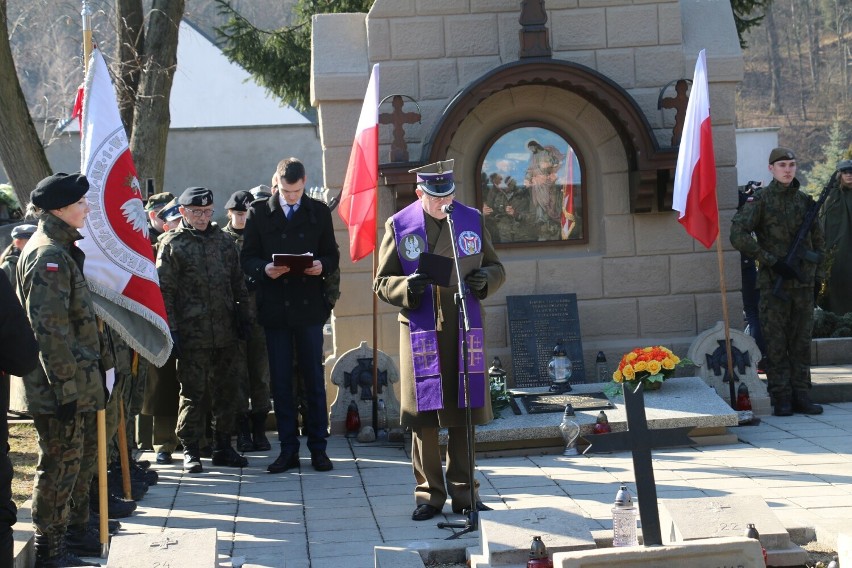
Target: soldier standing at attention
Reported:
[(203, 288), (431, 393), (774, 214), (64, 393), (9, 259), (251, 427)]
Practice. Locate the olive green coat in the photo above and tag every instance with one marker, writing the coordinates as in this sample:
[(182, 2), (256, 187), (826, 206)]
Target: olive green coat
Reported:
[(54, 293), (837, 223), (391, 286)]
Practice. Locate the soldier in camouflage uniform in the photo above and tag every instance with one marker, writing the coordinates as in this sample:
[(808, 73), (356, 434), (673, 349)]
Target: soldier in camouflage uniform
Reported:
[(508, 213), (251, 427), (63, 395), (203, 289), (763, 229), (9, 259)]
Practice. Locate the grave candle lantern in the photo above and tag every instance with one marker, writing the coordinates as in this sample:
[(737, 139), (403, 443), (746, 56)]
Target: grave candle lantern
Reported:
[(497, 376), (353, 419), (570, 431), (559, 369), (624, 519)]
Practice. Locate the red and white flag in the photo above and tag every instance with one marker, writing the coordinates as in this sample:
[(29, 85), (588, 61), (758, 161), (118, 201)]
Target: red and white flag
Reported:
[(695, 175), (358, 199), (119, 266)]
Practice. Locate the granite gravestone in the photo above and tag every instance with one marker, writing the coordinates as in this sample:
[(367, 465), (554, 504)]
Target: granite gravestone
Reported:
[(170, 548), (536, 324)]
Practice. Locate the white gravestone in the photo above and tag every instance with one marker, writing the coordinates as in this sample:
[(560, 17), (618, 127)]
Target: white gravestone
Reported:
[(353, 371)]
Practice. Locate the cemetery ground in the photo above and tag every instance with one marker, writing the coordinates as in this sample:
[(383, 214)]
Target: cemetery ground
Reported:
[(23, 447)]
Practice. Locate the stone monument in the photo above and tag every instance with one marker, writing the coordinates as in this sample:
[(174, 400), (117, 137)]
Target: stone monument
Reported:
[(353, 375)]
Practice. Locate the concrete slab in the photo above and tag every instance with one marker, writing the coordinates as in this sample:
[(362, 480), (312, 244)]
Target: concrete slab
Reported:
[(172, 547), (710, 553), (395, 557), (505, 536)]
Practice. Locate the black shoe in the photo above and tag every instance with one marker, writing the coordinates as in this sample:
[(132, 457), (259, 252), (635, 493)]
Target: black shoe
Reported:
[(480, 506), (117, 508), (258, 432), (149, 476), (191, 459), (83, 541), (783, 406), (164, 458), (803, 404), (424, 512), (144, 464), (321, 462), (229, 457), (95, 523), (284, 461), (244, 443), (206, 452), (115, 484)]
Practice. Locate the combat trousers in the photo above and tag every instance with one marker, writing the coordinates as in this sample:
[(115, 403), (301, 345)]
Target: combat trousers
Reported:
[(165, 439), (786, 327), (79, 513), (60, 447), (429, 473), (206, 383), (134, 396), (112, 416), (257, 360)]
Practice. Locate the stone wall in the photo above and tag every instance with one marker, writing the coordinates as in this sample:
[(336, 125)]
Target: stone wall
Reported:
[(640, 278)]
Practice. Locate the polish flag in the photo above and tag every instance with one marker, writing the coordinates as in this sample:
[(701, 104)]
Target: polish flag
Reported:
[(695, 175), (358, 200), (119, 267)]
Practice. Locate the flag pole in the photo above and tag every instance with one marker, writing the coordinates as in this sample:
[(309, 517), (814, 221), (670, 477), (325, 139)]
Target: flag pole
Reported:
[(86, 14), (726, 318), (376, 301)]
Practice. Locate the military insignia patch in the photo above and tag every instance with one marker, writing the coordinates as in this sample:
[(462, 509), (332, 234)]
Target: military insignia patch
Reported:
[(52, 267), (411, 246), (469, 242)]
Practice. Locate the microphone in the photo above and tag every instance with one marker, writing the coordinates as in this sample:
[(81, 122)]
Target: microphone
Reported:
[(448, 208)]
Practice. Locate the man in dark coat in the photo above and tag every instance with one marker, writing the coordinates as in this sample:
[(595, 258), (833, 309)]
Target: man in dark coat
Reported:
[(292, 305), (422, 227), (837, 223)]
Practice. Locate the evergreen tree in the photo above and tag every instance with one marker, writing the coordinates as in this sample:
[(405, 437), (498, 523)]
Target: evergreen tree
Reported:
[(836, 149)]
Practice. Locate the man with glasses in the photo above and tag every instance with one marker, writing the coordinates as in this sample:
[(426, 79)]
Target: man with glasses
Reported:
[(203, 288), (292, 304), (431, 392), (837, 223)]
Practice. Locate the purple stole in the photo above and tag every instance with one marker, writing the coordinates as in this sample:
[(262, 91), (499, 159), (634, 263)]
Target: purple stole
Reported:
[(410, 230)]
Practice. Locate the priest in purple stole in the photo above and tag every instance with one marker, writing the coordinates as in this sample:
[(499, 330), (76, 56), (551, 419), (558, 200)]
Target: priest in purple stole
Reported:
[(430, 360)]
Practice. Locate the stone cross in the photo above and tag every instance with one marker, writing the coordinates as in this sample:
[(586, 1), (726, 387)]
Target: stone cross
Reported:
[(163, 544), (678, 102), (399, 149), (640, 441)]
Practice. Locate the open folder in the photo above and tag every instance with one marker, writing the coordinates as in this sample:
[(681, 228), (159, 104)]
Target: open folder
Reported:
[(442, 270), (296, 262)]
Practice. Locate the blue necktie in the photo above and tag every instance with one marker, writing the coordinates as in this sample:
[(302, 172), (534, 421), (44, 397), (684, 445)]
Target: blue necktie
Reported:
[(290, 212)]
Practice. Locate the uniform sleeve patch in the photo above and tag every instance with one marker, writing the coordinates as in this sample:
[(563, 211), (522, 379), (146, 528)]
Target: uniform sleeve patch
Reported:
[(52, 267)]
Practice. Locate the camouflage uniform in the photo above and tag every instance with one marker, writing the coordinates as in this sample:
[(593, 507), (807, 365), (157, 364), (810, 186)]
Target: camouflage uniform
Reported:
[(9, 261), (774, 214), (203, 288), (515, 228), (55, 295), (252, 352)]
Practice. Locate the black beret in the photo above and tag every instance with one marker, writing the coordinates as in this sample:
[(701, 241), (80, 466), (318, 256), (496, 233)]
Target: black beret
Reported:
[(158, 200), (197, 196), (239, 200), (844, 165), (59, 190)]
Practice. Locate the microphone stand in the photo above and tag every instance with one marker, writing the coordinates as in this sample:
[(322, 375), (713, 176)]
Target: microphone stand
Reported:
[(471, 522)]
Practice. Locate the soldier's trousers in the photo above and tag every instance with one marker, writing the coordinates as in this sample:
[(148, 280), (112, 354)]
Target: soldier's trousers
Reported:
[(134, 396), (59, 453), (206, 383), (165, 439), (79, 513), (113, 416), (258, 371), (786, 327), (429, 474)]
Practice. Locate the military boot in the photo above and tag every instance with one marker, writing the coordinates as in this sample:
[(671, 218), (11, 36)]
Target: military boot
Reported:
[(83, 541), (47, 556), (115, 484), (803, 404), (117, 508), (244, 443), (225, 454), (191, 458), (68, 558), (783, 405), (258, 431), (95, 523)]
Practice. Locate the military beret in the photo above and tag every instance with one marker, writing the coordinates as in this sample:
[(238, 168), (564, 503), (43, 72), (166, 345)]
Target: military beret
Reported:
[(781, 154), (59, 190), (23, 231), (845, 166), (261, 191), (158, 200), (197, 196), (436, 179), (239, 201), (170, 211)]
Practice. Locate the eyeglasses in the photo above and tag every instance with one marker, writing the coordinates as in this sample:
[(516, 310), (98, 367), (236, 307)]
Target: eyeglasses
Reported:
[(199, 213), (439, 197)]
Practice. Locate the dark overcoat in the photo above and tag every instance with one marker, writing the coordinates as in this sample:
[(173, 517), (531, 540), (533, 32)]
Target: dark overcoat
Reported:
[(390, 285), (291, 300)]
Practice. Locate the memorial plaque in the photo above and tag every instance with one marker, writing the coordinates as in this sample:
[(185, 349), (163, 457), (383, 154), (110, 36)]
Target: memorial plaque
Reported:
[(544, 403), (171, 548), (536, 324)]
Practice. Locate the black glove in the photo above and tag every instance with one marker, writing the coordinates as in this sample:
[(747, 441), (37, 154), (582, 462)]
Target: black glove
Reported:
[(477, 280), (65, 412), (176, 345), (783, 270), (417, 283)]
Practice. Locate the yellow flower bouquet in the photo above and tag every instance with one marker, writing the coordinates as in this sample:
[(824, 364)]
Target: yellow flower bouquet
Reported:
[(649, 365)]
